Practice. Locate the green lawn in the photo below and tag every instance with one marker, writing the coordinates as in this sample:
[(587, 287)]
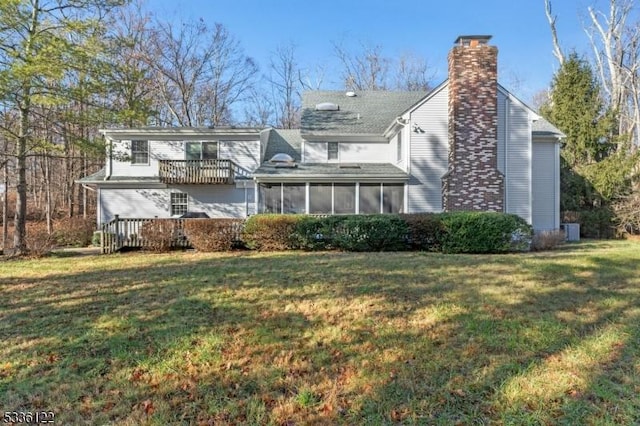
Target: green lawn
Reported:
[(300, 338)]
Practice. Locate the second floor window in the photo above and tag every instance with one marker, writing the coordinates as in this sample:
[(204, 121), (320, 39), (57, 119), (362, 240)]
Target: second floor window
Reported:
[(332, 151), (139, 152), (201, 150), (399, 153)]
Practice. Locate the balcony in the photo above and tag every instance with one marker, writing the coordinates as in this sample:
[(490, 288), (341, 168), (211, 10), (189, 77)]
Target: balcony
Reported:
[(197, 171)]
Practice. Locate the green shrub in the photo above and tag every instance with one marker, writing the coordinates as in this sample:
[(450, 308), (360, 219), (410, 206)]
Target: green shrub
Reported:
[(209, 235), (352, 233), (270, 232), (484, 232), (370, 233), (425, 231), (595, 223), (96, 238), (316, 233)]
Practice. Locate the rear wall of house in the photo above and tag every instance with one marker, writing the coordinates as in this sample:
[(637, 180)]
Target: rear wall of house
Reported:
[(545, 185), (428, 154), (351, 152), (245, 154), (224, 201)]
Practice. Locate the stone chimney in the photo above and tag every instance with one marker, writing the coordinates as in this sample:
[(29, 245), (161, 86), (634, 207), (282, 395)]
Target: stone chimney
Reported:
[(473, 181)]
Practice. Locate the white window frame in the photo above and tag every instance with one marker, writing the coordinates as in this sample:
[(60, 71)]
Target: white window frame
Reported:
[(399, 147), (337, 152), (173, 203), (133, 154)]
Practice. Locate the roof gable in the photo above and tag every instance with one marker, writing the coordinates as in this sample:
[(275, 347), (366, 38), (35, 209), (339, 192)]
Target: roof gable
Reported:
[(283, 141)]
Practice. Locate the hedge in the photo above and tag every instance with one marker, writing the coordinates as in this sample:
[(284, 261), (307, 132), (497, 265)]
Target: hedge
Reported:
[(484, 232), (159, 235), (271, 232), (426, 231), (208, 235), (455, 232), (352, 233)]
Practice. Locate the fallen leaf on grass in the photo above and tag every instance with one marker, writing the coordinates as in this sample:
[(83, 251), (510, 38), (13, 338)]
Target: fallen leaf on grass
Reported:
[(148, 407)]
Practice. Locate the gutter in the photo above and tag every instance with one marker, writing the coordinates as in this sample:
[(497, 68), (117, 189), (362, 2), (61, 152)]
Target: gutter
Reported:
[(393, 128)]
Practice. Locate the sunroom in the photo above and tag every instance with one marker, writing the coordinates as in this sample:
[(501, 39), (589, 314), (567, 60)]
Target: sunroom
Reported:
[(331, 189)]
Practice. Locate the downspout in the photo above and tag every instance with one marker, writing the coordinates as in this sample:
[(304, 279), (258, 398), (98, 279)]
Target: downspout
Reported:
[(109, 160)]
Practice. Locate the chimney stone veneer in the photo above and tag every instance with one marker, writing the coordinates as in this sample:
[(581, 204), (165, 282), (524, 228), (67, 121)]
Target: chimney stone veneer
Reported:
[(473, 181)]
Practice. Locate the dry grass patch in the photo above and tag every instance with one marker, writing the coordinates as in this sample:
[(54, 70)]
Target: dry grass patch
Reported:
[(304, 338)]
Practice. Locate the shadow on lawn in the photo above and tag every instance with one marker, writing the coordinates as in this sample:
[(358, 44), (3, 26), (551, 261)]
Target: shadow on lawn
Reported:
[(112, 324), (466, 374)]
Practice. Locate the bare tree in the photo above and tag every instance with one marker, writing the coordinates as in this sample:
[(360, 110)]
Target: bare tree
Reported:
[(199, 73), (367, 70), (285, 81), (129, 77), (413, 73), (557, 50), (615, 45)]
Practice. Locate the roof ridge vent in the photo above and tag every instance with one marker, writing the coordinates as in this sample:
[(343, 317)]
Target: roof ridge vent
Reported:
[(327, 106)]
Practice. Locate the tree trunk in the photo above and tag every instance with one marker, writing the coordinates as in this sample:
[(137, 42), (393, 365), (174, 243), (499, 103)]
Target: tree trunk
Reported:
[(5, 208), (20, 229), (47, 186)]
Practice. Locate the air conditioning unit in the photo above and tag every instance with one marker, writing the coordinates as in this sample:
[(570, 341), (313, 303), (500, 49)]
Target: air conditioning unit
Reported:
[(571, 231)]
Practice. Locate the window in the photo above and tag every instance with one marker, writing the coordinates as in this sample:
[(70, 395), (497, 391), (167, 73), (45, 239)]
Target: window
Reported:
[(392, 198), (399, 153), (369, 198), (270, 198), (344, 198), (332, 151), (179, 203), (201, 150), (320, 198), (293, 198), (139, 152)]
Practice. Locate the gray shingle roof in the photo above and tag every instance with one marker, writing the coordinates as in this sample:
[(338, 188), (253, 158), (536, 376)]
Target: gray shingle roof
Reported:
[(543, 127), (284, 141), (369, 112), (319, 171)]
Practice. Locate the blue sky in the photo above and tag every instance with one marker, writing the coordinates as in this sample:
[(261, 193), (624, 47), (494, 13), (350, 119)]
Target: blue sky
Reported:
[(425, 28)]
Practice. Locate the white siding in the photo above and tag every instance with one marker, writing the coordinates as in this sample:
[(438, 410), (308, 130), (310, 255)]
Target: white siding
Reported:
[(366, 153), (502, 129), (315, 152), (215, 200), (158, 150), (518, 161), (429, 154), (244, 153), (134, 203), (545, 186), (351, 152)]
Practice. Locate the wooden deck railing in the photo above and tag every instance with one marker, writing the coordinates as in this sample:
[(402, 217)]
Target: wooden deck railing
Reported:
[(123, 233), (197, 171)]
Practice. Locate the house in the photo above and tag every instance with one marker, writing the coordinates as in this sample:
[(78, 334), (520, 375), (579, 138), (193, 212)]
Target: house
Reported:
[(468, 144)]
